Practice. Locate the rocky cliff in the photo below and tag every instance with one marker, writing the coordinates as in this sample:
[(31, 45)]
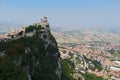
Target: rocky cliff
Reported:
[(36, 57)]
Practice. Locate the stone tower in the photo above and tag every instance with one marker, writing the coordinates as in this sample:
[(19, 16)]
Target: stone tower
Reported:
[(44, 22)]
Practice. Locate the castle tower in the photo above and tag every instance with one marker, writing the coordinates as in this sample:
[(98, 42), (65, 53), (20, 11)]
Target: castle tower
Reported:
[(44, 22)]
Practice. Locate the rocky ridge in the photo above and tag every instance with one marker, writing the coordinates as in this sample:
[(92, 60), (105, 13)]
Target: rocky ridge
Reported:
[(36, 55)]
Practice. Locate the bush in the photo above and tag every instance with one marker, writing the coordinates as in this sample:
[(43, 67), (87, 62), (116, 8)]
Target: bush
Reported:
[(89, 76), (10, 71), (30, 28)]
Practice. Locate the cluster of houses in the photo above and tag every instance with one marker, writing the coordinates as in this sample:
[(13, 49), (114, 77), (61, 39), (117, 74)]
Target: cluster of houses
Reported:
[(98, 52)]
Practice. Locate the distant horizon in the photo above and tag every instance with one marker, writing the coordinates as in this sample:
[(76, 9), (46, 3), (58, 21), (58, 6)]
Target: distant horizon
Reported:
[(86, 13), (19, 25)]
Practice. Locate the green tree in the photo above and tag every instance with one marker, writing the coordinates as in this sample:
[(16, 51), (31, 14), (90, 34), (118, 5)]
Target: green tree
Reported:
[(10, 71)]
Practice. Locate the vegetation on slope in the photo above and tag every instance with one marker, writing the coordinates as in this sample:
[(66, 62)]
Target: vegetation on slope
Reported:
[(15, 53), (10, 71), (89, 76), (69, 70)]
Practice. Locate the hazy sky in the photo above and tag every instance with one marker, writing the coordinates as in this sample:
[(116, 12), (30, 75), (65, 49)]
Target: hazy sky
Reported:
[(62, 12)]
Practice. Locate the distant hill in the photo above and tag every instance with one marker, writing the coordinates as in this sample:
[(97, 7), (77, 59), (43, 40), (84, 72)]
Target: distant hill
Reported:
[(76, 35), (6, 27)]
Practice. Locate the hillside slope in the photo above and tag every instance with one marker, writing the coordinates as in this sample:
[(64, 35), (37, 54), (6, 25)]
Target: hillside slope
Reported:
[(30, 57)]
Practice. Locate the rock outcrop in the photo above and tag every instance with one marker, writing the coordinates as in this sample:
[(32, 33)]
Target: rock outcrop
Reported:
[(38, 55)]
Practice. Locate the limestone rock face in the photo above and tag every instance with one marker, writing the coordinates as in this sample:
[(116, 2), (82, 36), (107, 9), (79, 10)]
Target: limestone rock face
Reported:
[(37, 55), (43, 61)]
